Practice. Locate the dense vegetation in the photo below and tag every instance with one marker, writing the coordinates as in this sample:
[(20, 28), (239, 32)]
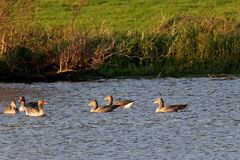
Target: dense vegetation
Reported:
[(149, 38)]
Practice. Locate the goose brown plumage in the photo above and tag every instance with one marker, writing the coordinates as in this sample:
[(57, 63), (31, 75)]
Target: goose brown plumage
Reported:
[(101, 109), (11, 109), (120, 103), (168, 108)]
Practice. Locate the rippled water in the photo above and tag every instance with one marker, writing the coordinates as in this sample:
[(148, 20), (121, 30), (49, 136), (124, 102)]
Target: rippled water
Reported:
[(209, 129)]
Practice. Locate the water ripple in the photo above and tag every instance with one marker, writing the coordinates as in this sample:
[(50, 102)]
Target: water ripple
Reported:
[(208, 129)]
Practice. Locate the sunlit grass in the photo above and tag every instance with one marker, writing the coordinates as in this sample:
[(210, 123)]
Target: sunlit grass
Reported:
[(127, 15)]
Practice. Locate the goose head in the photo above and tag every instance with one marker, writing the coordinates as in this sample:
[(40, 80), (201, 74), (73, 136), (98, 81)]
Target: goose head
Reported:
[(42, 102), (13, 104), (93, 103), (109, 99), (159, 101), (21, 99)]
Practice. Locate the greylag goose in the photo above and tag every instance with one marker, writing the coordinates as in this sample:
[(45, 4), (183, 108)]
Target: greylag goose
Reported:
[(101, 109), (36, 112), (120, 103), (213, 77), (11, 109), (168, 108)]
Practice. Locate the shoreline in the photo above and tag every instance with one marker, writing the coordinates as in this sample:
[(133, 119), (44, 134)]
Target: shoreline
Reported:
[(78, 76)]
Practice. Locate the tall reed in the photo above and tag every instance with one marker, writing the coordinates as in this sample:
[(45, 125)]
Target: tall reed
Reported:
[(178, 46)]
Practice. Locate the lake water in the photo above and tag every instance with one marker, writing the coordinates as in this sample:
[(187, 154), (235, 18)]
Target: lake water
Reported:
[(208, 129)]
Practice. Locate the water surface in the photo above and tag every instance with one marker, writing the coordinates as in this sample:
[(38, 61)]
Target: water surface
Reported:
[(208, 129)]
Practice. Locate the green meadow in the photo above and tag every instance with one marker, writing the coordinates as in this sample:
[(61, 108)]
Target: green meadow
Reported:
[(125, 15), (120, 38)]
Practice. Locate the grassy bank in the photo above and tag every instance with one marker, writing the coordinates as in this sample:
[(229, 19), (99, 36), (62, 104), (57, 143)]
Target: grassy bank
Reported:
[(177, 46)]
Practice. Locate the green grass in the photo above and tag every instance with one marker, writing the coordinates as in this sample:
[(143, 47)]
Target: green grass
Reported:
[(125, 15)]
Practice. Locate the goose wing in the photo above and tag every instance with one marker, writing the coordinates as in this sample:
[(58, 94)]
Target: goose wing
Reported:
[(108, 108), (177, 106), (123, 103), (32, 105)]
